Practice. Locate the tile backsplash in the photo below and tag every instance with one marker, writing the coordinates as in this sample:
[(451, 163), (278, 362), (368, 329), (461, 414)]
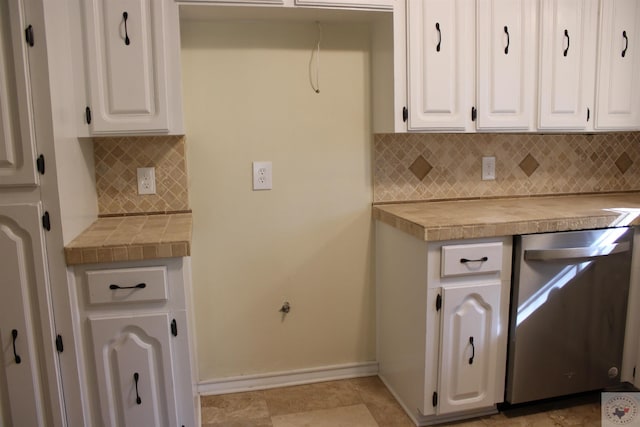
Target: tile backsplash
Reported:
[(116, 161), (411, 167)]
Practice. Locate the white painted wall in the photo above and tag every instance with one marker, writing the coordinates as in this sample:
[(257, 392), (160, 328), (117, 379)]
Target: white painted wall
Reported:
[(309, 240)]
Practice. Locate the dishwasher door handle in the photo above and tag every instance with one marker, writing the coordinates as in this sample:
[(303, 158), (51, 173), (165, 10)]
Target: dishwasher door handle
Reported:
[(586, 253)]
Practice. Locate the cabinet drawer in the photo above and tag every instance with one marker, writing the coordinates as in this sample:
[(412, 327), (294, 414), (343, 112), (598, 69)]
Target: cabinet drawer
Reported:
[(476, 258), (127, 285)]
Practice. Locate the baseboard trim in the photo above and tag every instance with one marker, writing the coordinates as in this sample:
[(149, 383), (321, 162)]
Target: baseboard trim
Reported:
[(287, 378)]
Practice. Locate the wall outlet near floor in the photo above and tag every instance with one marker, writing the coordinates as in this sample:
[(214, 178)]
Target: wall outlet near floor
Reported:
[(262, 179), (146, 180), (488, 168)]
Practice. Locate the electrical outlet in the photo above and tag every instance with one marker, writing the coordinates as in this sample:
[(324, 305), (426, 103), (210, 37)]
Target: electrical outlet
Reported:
[(488, 168), (262, 179), (146, 180)]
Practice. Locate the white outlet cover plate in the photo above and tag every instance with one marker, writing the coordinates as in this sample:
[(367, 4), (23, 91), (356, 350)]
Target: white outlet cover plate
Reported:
[(262, 176), (488, 168), (146, 180)]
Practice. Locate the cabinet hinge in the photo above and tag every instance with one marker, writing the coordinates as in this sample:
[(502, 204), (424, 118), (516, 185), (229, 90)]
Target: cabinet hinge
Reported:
[(474, 114), (405, 114), (46, 222), (28, 35), (588, 114), (174, 328), (40, 164), (438, 302), (434, 399), (87, 115), (59, 345)]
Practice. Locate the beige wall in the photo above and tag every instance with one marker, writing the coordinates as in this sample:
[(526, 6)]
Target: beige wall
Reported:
[(308, 241)]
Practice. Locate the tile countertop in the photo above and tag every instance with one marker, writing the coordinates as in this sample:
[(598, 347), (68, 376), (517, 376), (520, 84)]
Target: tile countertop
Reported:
[(132, 238), (468, 219)]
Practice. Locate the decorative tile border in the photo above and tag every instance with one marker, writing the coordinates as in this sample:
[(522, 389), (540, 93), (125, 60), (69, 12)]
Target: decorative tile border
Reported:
[(116, 161), (410, 167)]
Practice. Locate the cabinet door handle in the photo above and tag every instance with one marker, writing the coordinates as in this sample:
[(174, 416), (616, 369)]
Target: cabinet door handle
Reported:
[(506, 31), (28, 34), (465, 260), (473, 351), (626, 43), (125, 16), (136, 377), (439, 37), (566, 34), (14, 335), (138, 286)]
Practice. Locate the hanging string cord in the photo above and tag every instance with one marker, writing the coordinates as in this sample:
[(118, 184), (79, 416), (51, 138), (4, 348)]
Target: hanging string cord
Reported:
[(315, 52)]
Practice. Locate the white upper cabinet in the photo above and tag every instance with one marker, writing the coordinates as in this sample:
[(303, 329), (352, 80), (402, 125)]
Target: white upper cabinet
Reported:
[(567, 64), (618, 80), (128, 55), (17, 139), (441, 64), (506, 38)]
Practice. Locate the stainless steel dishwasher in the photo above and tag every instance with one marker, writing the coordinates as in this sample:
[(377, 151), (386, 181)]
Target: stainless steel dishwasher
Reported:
[(568, 312)]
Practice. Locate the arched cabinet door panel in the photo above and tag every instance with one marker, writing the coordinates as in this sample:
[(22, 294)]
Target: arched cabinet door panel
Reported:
[(135, 370), (468, 346), (23, 390)]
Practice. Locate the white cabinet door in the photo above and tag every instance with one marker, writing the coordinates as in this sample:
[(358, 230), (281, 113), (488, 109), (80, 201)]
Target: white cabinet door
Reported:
[(567, 67), (506, 37), (17, 140), (441, 63), (22, 263), (618, 86), (469, 345), (126, 61), (134, 366)]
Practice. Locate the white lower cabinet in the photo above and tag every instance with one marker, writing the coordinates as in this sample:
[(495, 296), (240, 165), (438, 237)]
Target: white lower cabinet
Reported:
[(135, 330), (468, 346), (27, 395), (135, 369), (442, 328)]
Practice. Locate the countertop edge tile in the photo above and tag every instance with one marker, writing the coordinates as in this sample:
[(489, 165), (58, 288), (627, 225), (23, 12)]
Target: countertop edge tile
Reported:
[(478, 218), (132, 238)]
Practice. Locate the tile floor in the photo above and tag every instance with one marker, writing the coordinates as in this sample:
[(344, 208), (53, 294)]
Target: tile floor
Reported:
[(366, 402)]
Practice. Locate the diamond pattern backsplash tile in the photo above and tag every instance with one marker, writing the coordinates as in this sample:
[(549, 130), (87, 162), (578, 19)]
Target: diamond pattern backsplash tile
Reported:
[(526, 165), (529, 165), (116, 161), (624, 162), (420, 167)]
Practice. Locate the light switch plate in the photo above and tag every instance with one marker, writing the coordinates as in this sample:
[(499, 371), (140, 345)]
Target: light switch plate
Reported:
[(146, 180)]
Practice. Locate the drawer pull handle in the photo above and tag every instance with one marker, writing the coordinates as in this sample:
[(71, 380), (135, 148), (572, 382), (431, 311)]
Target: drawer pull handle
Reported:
[(626, 43), (14, 334), (136, 377), (138, 286), (465, 260), (473, 351), (439, 37)]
